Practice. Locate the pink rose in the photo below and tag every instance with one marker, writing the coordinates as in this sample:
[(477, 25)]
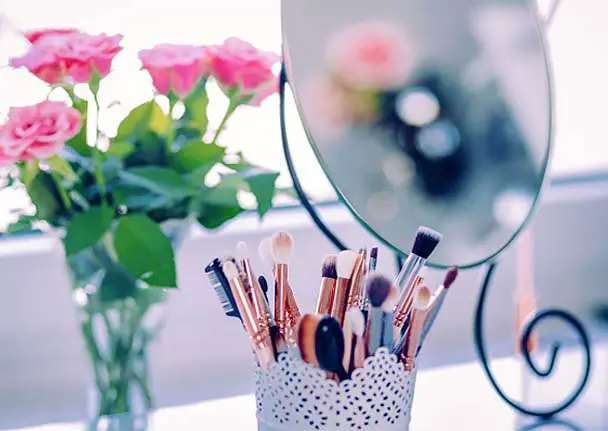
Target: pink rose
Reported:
[(176, 68), (38, 131), (34, 36), (371, 56), (73, 55), (238, 65)]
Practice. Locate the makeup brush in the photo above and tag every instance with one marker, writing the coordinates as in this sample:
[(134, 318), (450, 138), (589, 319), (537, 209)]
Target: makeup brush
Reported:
[(411, 338), (437, 302), (286, 311), (356, 280), (306, 334), (388, 308), (264, 285), (345, 263), (355, 321), (265, 252), (373, 259), (329, 346), (258, 334), (378, 290), (403, 311), (328, 282), (262, 310), (424, 244), (219, 282), (278, 342), (347, 332)]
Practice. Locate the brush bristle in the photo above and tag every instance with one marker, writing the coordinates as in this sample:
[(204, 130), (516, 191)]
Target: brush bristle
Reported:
[(328, 269), (265, 251), (242, 251), (356, 320), (422, 298), (282, 247), (389, 304), (230, 270), (450, 277), (425, 242), (374, 253), (345, 262), (378, 288)]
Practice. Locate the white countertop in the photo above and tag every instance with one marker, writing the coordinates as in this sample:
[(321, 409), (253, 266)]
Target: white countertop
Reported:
[(445, 397)]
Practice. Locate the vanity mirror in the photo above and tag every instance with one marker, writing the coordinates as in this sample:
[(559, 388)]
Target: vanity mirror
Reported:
[(430, 113)]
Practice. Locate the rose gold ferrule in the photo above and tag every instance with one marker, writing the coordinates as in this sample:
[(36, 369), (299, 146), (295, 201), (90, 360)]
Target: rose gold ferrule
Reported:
[(356, 280), (280, 298), (404, 307), (259, 334), (293, 317), (338, 302), (325, 296), (257, 296), (412, 338)]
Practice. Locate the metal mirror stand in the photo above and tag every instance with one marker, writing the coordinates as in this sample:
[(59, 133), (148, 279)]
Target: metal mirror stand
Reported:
[(483, 291)]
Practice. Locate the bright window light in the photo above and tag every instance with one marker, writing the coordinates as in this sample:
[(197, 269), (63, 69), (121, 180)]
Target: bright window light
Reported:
[(577, 41)]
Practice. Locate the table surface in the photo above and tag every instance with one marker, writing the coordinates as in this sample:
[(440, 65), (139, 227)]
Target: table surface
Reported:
[(456, 397)]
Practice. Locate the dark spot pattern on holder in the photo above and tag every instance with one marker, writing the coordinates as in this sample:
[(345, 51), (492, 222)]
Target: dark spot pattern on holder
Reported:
[(295, 396)]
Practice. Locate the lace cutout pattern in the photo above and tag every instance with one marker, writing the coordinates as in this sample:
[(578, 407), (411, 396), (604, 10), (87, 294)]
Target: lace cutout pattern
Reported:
[(296, 396)]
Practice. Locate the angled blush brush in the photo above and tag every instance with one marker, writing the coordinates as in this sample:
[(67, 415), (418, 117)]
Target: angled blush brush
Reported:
[(437, 302)]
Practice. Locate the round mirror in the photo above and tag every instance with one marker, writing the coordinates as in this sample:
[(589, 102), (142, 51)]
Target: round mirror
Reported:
[(426, 112)]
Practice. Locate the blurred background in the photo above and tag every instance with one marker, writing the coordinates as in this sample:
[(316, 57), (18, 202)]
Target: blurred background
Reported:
[(43, 375)]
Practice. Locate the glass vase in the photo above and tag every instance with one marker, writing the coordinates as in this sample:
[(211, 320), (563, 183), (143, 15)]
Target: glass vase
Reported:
[(119, 318)]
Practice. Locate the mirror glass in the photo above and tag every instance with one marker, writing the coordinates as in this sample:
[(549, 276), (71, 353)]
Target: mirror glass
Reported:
[(426, 112)]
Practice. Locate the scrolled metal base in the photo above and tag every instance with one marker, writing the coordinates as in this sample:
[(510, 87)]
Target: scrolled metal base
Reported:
[(478, 322), (537, 370)]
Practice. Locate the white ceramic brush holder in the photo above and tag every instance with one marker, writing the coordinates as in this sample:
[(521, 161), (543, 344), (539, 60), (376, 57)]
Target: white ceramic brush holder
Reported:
[(295, 396)]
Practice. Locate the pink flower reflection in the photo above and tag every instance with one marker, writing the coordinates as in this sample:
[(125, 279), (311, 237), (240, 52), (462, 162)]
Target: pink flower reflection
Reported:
[(372, 55)]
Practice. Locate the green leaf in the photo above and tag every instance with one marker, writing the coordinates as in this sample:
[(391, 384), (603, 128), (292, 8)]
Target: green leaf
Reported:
[(137, 198), (215, 216), (28, 171), (198, 159), (23, 224), (111, 168), (94, 81), (262, 185), (117, 284), (159, 180), (196, 108), (44, 196), (220, 204), (147, 116), (120, 149), (61, 166), (144, 250), (87, 228), (150, 149), (260, 182), (79, 142)]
